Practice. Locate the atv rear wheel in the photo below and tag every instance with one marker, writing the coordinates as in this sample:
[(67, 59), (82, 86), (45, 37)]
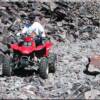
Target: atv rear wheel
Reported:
[(6, 68), (43, 68), (52, 59)]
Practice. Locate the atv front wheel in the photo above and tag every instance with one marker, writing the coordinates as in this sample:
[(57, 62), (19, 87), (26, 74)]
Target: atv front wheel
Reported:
[(52, 59), (6, 68), (43, 68)]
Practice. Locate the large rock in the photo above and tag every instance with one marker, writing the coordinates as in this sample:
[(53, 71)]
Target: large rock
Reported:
[(95, 64)]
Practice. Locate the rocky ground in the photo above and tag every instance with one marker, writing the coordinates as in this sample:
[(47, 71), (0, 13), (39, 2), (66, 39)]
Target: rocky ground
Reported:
[(80, 22)]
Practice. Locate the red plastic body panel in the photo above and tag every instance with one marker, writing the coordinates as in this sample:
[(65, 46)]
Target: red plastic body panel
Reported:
[(24, 49), (29, 49), (28, 39), (48, 46)]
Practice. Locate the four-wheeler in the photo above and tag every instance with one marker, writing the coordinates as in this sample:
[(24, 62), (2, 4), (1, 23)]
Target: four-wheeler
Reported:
[(23, 54)]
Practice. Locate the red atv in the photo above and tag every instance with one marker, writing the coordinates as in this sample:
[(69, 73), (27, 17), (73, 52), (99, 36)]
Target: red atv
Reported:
[(21, 55)]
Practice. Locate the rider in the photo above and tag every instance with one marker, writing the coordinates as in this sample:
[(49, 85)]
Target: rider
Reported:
[(36, 30), (36, 27)]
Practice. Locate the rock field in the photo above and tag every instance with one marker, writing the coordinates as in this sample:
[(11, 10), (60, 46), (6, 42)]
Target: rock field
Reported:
[(80, 22)]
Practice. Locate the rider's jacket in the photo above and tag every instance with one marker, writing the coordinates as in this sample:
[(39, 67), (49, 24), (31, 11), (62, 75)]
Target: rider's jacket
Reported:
[(35, 27)]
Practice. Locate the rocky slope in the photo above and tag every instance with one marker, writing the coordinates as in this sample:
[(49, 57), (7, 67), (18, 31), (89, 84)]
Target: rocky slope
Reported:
[(80, 21)]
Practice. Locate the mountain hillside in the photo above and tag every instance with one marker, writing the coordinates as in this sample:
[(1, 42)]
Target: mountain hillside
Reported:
[(80, 23)]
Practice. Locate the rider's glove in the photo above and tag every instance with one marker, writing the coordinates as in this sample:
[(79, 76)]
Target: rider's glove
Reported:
[(18, 34)]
